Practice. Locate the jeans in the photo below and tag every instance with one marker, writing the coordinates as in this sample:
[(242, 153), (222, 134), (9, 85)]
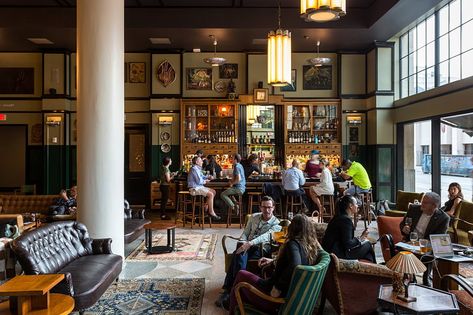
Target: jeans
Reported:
[(239, 262), (164, 197), (231, 192)]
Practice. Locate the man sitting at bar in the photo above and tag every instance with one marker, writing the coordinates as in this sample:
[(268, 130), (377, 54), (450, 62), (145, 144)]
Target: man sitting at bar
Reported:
[(196, 181), (257, 231), (292, 180), (237, 185), (356, 171)]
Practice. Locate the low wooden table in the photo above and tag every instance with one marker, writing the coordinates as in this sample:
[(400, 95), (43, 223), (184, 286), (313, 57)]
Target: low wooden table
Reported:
[(429, 300), (29, 294), (171, 237)]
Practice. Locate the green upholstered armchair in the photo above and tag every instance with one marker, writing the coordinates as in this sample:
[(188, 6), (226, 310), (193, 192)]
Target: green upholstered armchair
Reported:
[(403, 198), (462, 223), (304, 290)]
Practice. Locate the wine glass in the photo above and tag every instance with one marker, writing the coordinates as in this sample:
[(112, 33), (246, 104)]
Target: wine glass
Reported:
[(414, 237)]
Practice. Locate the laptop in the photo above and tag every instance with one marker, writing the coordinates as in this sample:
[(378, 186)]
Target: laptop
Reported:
[(441, 245)]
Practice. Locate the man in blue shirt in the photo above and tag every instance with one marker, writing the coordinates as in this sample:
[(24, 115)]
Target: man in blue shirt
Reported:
[(237, 184), (292, 180), (196, 181)]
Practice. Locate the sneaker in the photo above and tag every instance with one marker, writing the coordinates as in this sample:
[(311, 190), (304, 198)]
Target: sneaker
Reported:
[(216, 217), (236, 207)]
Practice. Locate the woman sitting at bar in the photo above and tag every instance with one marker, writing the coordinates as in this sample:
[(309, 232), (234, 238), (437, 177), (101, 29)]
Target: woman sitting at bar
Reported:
[(340, 234), (300, 249), (325, 187), (312, 167), (213, 167), (250, 165), (455, 197)]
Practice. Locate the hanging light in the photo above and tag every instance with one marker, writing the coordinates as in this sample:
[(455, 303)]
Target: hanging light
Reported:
[(319, 61), (279, 55), (215, 61), (323, 10)]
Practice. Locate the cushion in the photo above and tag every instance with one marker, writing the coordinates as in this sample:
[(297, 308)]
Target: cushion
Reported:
[(404, 197), (465, 301)]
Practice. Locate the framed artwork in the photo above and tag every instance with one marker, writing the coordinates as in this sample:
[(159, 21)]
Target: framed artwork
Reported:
[(165, 73), (199, 78), (16, 80), (228, 71), (317, 78), (260, 95), (136, 72), (291, 87), (353, 131)]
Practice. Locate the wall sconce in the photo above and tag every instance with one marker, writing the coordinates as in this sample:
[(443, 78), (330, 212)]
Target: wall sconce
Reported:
[(165, 120), (53, 121)]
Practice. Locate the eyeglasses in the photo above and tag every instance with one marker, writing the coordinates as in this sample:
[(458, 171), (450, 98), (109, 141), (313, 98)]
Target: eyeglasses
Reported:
[(264, 207)]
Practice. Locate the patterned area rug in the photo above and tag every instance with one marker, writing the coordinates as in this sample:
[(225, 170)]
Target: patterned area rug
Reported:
[(189, 247), (151, 296)]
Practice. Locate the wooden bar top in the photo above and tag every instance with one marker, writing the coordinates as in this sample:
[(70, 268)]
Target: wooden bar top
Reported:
[(30, 285)]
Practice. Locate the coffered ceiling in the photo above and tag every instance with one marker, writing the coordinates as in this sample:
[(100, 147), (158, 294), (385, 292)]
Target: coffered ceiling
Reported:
[(188, 23)]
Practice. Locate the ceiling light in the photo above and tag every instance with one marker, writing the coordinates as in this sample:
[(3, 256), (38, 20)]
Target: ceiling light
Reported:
[(215, 61), (160, 40), (319, 61), (279, 55), (40, 41), (323, 10)]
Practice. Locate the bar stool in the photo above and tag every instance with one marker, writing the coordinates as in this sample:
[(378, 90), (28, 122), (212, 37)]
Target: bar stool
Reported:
[(366, 199), (328, 203), (238, 199), (252, 202), (293, 201), (199, 201), (183, 201)]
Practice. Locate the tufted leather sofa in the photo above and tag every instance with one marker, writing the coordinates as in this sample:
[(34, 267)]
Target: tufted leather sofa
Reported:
[(134, 224), (26, 203), (65, 247)]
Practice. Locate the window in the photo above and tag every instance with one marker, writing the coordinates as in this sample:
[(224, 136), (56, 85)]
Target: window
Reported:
[(424, 149), (453, 42), (446, 149), (468, 149)]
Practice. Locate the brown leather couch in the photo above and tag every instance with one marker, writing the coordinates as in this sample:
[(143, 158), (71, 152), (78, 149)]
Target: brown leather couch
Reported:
[(26, 203), (65, 247), (134, 224)]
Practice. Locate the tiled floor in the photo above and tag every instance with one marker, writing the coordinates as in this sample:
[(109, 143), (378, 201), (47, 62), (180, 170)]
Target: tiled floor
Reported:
[(212, 271)]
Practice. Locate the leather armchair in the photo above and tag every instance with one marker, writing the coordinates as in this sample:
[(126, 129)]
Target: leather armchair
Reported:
[(389, 234), (464, 296), (462, 223), (65, 247), (134, 224), (403, 198)]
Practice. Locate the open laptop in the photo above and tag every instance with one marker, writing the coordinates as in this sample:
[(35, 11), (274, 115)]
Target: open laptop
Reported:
[(442, 248)]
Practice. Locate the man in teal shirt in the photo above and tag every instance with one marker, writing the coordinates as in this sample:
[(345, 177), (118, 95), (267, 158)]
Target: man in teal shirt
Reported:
[(237, 184)]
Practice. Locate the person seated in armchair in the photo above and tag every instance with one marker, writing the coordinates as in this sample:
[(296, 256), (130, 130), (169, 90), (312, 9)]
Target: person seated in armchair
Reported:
[(258, 230), (340, 237), (455, 197), (300, 248), (66, 203)]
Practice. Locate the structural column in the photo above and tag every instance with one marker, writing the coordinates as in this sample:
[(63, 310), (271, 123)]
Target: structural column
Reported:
[(100, 118)]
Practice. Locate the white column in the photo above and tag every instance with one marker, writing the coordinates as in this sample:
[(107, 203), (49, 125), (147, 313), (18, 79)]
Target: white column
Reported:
[(100, 118)]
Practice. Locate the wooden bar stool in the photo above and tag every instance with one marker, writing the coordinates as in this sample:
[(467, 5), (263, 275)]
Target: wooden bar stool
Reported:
[(293, 202), (366, 199), (199, 201), (328, 203), (252, 202), (184, 204), (238, 199)]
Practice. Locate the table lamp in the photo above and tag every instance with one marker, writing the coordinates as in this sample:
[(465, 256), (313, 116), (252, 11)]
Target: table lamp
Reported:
[(406, 263)]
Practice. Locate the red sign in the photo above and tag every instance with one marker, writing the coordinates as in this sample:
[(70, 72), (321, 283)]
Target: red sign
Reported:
[(3, 117)]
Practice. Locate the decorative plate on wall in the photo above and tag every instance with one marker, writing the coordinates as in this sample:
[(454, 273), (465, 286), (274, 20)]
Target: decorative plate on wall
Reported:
[(165, 148), (220, 86), (165, 136), (165, 73)]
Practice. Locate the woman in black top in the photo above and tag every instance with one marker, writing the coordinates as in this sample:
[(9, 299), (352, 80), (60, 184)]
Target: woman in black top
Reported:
[(455, 197), (340, 237), (212, 167), (250, 165), (300, 249)]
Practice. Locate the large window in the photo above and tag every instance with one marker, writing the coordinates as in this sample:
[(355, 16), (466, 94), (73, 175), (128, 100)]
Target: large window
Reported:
[(453, 41)]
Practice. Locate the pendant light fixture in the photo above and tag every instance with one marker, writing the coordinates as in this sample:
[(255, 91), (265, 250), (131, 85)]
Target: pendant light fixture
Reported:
[(279, 55), (215, 61), (323, 10), (319, 61)]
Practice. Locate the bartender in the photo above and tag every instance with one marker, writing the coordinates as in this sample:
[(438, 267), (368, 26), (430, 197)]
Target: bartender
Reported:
[(312, 167)]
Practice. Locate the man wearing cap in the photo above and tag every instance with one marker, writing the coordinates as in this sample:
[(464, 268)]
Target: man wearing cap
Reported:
[(312, 167), (356, 171)]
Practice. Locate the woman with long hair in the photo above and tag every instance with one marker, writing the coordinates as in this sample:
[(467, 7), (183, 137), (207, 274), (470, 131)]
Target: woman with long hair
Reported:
[(300, 248), (455, 197), (213, 167), (340, 237)]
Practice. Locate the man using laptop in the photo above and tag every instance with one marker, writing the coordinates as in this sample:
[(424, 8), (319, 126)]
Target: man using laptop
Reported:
[(426, 218)]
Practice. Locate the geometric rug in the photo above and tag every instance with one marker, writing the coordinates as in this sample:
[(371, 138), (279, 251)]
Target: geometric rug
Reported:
[(151, 296), (189, 247)]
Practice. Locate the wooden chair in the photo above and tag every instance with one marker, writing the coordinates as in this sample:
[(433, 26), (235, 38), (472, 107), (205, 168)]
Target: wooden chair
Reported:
[(184, 203), (198, 201), (328, 202), (252, 202), (293, 202), (464, 296), (304, 290)]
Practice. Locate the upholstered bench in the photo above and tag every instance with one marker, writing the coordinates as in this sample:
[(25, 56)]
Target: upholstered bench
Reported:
[(10, 204)]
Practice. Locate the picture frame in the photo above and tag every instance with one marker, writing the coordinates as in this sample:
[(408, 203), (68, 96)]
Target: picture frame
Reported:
[(199, 78), (260, 96), (137, 72), (228, 71), (317, 78), (291, 87), (16, 80)]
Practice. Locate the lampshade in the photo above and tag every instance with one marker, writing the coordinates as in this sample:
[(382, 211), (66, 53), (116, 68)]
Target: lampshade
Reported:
[(215, 61), (323, 10), (279, 57), (319, 61), (406, 262)]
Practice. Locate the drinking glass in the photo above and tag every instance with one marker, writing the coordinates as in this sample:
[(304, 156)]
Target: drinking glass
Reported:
[(414, 237), (424, 245)]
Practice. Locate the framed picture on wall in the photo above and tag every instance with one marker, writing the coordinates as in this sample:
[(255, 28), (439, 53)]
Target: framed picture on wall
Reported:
[(260, 95), (199, 78), (17, 80), (317, 78), (228, 71), (353, 132), (291, 87), (137, 72)]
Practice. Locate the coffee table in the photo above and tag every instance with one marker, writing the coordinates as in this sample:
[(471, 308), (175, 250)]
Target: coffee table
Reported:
[(29, 294), (171, 237), (429, 300)]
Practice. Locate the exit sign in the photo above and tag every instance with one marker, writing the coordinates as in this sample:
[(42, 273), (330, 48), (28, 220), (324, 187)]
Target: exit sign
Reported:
[(3, 117)]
